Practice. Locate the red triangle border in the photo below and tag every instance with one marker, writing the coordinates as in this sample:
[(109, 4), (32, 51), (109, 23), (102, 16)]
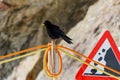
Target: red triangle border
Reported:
[(105, 36)]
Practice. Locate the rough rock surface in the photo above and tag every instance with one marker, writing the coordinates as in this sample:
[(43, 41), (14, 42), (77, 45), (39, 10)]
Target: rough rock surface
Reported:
[(102, 16), (20, 26)]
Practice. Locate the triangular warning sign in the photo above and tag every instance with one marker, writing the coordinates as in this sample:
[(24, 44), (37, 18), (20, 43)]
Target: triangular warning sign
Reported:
[(105, 52)]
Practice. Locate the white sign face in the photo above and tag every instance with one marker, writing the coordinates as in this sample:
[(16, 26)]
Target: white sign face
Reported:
[(99, 57), (119, 48)]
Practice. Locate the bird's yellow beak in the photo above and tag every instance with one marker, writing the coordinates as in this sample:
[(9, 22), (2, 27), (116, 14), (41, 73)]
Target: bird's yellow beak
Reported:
[(43, 25)]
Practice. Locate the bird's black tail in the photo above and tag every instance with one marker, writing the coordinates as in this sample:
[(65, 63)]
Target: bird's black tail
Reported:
[(67, 39)]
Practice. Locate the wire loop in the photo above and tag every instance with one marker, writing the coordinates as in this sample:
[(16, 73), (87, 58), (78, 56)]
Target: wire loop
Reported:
[(48, 72)]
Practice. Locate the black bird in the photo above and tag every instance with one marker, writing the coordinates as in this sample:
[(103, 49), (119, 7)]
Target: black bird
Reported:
[(55, 32)]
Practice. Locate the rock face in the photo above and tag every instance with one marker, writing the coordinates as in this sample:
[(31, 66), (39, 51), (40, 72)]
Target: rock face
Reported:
[(102, 16), (21, 26)]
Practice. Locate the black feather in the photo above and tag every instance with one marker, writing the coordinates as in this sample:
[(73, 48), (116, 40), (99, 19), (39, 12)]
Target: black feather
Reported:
[(55, 32), (67, 39)]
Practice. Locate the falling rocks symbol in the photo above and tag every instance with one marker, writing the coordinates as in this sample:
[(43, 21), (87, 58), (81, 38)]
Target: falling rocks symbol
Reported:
[(105, 52)]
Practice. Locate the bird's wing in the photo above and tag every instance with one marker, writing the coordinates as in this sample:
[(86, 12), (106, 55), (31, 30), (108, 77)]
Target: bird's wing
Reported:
[(58, 30)]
